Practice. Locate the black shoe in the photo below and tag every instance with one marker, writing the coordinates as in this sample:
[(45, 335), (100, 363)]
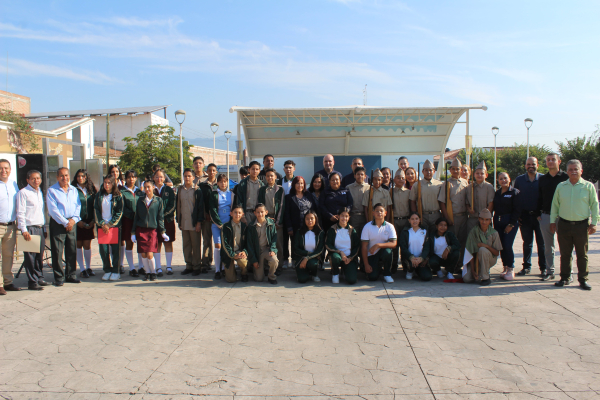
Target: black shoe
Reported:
[(145, 277), (43, 283), (90, 272), (524, 272), (58, 283), (141, 272), (72, 280), (278, 271), (11, 288), (84, 274), (186, 271), (133, 273), (548, 277), (34, 286), (561, 283), (543, 273), (244, 278), (153, 277), (160, 274), (205, 270), (272, 281), (218, 275), (169, 271), (122, 271), (196, 272), (485, 282), (585, 286)]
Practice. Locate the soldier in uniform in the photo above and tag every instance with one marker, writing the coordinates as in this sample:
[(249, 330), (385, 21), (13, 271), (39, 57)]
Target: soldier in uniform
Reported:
[(482, 198), (380, 196), (456, 212), (401, 210), (430, 191)]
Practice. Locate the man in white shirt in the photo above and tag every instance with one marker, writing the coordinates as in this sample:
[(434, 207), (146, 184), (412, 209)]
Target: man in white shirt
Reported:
[(30, 220), (8, 225), (378, 240)]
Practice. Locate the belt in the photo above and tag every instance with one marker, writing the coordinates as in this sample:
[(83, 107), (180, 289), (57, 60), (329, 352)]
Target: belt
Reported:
[(7, 223), (566, 221), (430, 212), (460, 214), (357, 213), (36, 226)]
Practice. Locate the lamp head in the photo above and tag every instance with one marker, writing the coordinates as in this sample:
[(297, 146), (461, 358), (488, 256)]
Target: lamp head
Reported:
[(227, 134), (495, 130), (528, 122), (215, 126), (180, 114)]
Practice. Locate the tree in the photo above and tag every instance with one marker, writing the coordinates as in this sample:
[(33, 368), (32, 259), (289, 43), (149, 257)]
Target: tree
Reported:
[(155, 144), (478, 156), (585, 149), (513, 159)]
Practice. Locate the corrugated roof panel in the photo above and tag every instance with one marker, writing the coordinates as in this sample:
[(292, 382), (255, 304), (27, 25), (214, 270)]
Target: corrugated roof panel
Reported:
[(83, 113)]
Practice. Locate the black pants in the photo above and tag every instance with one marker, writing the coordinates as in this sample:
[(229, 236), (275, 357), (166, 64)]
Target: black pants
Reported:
[(34, 262), (569, 236), (450, 263), (529, 226), (63, 242)]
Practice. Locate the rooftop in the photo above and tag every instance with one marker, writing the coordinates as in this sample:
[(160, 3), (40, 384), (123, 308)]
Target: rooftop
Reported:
[(98, 112)]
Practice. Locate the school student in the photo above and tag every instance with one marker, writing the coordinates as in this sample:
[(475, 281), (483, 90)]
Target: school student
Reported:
[(484, 244), (247, 193), (415, 249), (190, 214), (243, 173), (167, 195), (273, 197), (85, 228), (262, 245), (482, 198), (343, 244), (115, 171), (358, 189), (289, 167), (131, 193), (376, 194), (148, 223), (108, 207), (309, 243), (400, 195), (220, 204), (207, 187), (378, 239), (233, 245), (444, 249)]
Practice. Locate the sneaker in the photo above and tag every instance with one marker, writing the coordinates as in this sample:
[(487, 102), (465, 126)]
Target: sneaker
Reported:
[(388, 279), (440, 274), (106, 276), (316, 279), (169, 271), (509, 275), (115, 277), (90, 272), (335, 279), (409, 275), (449, 276)]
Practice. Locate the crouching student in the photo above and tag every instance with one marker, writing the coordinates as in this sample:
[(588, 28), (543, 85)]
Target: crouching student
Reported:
[(262, 245), (309, 243), (220, 202), (415, 249), (233, 245), (148, 223), (484, 245), (343, 244), (108, 207), (445, 249), (378, 240)]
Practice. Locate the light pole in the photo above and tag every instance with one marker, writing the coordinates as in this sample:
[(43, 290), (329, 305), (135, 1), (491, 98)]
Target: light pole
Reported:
[(177, 116), (528, 123), (214, 131), (495, 132), (227, 136)]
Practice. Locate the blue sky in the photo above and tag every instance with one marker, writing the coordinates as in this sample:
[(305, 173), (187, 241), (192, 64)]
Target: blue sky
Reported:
[(522, 59)]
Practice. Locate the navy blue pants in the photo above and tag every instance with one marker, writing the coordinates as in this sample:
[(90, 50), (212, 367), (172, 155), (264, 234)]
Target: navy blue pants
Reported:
[(507, 254), (529, 226)]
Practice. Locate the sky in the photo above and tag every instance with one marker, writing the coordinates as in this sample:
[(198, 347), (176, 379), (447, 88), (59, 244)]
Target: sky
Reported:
[(532, 59)]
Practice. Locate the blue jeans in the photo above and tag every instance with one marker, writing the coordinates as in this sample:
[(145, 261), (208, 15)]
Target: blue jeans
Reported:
[(529, 226), (507, 239)]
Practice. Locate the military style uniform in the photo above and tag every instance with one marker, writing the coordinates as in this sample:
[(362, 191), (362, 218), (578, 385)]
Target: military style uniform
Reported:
[(458, 197), (430, 191), (358, 218)]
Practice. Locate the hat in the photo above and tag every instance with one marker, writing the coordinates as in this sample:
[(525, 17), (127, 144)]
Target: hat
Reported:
[(377, 174), (456, 163), (399, 171), (485, 213), (481, 166), (428, 164)]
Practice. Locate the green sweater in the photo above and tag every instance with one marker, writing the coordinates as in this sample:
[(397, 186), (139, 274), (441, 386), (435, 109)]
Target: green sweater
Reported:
[(279, 202), (404, 248), (197, 212), (116, 210), (299, 252), (149, 217), (130, 201), (87, 205), (354, 241), (207, 189), (213, 207), (227, 252), (253, 245), (242, 191), (168, 197)]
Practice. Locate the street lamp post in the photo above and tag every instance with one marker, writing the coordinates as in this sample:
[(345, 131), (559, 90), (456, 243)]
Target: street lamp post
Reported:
[(528, 123), (214, 131), (495, 132), (227, 136), (179, 113)]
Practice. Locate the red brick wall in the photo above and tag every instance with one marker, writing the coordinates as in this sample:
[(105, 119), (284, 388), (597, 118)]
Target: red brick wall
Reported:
[(15, 102)]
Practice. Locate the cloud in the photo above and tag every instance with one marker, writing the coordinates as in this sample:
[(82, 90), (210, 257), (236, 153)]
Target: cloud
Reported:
[(28, 68), (143, 23)]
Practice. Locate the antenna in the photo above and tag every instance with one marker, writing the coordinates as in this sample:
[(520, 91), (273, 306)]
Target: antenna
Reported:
[(365, 95)]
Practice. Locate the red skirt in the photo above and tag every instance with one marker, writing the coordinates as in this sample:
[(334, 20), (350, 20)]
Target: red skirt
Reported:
[(170, 231), (147, 240), (86, 234), (126, 225)]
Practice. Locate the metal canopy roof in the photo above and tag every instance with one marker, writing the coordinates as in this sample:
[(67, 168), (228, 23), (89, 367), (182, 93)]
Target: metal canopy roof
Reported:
[(351, 130), (93, 113)]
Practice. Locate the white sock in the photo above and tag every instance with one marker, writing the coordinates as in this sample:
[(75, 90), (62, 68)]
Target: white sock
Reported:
[(80, 259), (129, 254), (87, 254), (217, 258), (151, 266), (157, 261), (144, 264), (140, 262), (169, 257), (122, 254)]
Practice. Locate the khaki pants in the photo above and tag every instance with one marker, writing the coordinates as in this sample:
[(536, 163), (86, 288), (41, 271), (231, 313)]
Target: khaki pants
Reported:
[(8, 235), (429, 219), (191, 249), (486, 262), (259, 273), (207, 245), (230, 274)]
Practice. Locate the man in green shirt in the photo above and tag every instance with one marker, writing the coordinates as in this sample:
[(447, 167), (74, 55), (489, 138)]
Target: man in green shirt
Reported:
[(573, 203)]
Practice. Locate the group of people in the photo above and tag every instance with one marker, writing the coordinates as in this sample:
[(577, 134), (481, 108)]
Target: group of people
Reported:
[(457, 227)]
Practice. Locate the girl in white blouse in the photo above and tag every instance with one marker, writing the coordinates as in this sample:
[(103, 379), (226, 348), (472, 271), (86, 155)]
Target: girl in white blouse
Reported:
[(309, 243), (415, 249)]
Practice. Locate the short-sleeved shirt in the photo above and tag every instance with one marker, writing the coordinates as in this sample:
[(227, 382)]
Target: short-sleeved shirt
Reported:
[(373, 234), (401, 202), (380, 195), (416, 239), (252, 193), (458, 194), (440, 244), (484, 195), (358, 193), (430, 191)]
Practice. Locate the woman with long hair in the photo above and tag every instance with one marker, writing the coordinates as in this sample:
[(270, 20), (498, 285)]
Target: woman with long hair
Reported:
[(343, 244), (316, 186), (108, 208), (415, 249), (309, 243), (445, 249), (411, 177), (85, 228), (506, 221), (297, 203), (167, 195), (131, 193), (115, 171)]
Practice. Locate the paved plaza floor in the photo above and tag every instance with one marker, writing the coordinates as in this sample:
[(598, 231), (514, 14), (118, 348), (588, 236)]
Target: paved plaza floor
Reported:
[(183, 337)]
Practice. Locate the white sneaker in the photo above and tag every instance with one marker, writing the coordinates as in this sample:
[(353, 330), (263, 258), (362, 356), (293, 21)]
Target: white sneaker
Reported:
[(409, 275), (335, 279), (388, 279), (115, 277), (106, 276), (440, 274), (450, 276), (316, 279)]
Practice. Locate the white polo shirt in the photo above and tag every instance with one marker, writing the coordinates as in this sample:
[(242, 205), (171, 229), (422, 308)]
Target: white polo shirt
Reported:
[(373, 234)]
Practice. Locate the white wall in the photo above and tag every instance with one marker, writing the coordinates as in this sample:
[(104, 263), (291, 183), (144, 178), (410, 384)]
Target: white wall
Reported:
[(122, 126)]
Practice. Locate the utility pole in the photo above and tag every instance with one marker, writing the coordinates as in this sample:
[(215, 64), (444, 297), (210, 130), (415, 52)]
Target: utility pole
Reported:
[(107, 141)]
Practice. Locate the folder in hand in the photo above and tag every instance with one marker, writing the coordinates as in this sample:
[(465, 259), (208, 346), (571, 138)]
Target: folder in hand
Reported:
[(29, 246), (112, 237)]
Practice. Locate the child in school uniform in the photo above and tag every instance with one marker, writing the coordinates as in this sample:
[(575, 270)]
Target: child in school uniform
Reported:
[(108, 208), (262, 245), (221, 201), (85, 227), (247, 193), (148, 224), (233, 245), (167, 195), (131, 193), (343, 244), (309, 243), (273, 197), (190, 215)]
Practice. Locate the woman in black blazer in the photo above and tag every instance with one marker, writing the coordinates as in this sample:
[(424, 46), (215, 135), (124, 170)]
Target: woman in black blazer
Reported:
[(297, 203)]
